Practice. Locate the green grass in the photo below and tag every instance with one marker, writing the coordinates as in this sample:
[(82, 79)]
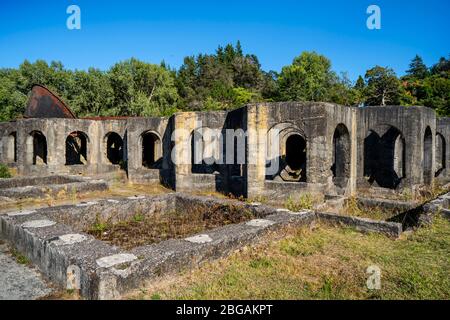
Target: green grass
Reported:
[(20, 258), (321, 263), (4, 172)]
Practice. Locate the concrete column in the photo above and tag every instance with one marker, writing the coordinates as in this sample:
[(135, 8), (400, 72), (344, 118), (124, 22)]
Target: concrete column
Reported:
[(184, 125), (353, 151), (257, 129)]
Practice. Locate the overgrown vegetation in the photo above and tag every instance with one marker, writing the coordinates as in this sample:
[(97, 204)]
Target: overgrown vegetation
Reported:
[(321, 263), (4, 172), (227, 79), (352, 207), (143, 229), (302, 202)]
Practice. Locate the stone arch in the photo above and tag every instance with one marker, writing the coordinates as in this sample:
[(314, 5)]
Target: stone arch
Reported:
[(37, 148), (286, 157), (114, 148), (151, 147), (77, 148), (341, 155), (428, 156), (384, 157), (441, 154), (11, 147)]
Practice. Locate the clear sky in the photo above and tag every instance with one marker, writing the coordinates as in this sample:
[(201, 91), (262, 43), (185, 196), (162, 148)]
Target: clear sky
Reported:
[(276, 31)]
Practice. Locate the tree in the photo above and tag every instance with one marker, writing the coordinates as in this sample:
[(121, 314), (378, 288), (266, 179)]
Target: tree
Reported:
[(222, 80), (308, 78), (383, 86), (142, 89), (417, 69), (12, 101), (442, 68), (92, 93)]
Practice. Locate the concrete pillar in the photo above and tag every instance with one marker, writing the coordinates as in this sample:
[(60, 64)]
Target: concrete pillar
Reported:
[(257, 128), (184, 125), (353, 151)]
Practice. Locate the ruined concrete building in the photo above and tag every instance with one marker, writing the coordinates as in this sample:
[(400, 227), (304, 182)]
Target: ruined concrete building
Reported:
[(323, 147)]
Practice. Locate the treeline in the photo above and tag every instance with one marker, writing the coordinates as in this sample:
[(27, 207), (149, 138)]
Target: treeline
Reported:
[(224, 80)]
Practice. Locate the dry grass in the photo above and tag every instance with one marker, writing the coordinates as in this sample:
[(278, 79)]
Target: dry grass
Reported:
[(320, 263), (353, 208), (144, 229)]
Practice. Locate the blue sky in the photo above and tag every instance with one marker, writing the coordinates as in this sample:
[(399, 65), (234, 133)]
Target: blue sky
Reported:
[(276, 31)]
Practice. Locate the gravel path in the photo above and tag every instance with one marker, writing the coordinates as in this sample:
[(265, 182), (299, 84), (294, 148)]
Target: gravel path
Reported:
[(19, 282)]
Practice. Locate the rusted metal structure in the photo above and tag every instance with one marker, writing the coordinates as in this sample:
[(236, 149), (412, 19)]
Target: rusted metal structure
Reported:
[(43, 103)]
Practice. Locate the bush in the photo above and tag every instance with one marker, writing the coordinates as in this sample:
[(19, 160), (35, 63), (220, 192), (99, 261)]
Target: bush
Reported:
[(4, 172)]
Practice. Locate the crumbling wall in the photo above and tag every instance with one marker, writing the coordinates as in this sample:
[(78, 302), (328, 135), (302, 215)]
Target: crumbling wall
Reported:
[(375, 135), (347, 149)]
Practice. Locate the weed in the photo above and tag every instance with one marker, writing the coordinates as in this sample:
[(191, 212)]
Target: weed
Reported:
[(4, 172), (19, 257), (304, 202)]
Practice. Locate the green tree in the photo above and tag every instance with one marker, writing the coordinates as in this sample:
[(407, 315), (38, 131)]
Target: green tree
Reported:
[(383, 87), (442, 68), (12, 101), (142, 89), (417, 69), (308, 78), (92, 94), (222, 80)]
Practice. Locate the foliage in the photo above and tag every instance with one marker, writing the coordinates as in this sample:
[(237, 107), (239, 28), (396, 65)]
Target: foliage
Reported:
[(383, 87), (308, 78), (225, 80), (4, 172)]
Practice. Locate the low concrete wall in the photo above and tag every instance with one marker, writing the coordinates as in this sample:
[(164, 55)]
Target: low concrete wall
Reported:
[(391, 229), (39, 187)]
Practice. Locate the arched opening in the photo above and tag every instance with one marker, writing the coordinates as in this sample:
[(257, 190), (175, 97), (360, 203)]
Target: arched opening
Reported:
[(39, 148), (203, 152), (114, 148), (76, 148), (441, 154), (428, 156), (296, 156), (151, 150), (341, 156), (384, 157), (11, 148)]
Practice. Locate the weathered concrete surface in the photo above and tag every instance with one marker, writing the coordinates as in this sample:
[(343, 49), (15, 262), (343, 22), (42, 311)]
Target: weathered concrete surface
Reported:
[(391, 229), (39, 187), (19, 282), (340, 157)]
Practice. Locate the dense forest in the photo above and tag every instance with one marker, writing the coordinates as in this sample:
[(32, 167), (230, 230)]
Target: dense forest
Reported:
[(227, 79)]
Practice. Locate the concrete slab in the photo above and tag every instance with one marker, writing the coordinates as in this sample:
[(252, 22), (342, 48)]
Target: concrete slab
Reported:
[(38, 224), (110, 261), (69, 239), (201, 238), (260, 223)]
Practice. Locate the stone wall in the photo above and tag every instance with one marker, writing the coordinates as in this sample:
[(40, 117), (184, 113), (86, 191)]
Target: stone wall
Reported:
[(325, 148)]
